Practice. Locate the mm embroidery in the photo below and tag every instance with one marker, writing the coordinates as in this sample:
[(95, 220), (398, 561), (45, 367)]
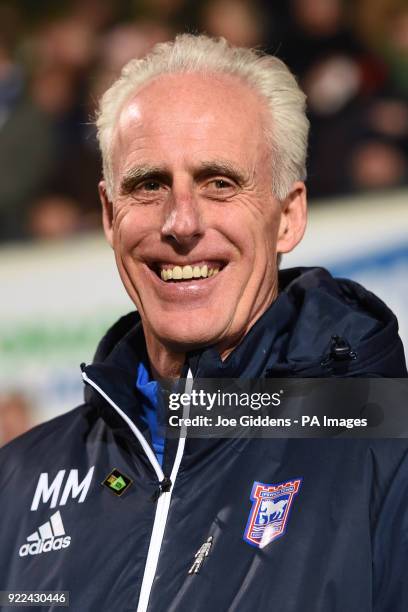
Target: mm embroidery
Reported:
[(271, 505)]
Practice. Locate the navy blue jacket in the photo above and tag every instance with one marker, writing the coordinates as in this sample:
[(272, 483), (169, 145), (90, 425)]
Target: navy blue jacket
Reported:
[(345, 542)]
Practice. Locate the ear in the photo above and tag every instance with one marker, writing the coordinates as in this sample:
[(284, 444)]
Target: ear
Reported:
[(107, 212), (293, 219)]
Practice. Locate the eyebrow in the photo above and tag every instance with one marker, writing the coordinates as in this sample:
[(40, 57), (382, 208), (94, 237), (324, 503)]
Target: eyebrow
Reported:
[(142, 173), (203, 170), (223, 168)]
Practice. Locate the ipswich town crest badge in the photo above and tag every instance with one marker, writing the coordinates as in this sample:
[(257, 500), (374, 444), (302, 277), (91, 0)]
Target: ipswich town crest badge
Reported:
[(271, 504)]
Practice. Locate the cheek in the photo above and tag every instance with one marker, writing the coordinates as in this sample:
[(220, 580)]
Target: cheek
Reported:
[(254, 233), (131, 229), (267, 230)]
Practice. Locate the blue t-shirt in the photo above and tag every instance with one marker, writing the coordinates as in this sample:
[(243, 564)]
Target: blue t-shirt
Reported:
[(150, 393)]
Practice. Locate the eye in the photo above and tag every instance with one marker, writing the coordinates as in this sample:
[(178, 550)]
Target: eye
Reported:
[(149, 191), (219, 188), (150, 186), (221, 184)]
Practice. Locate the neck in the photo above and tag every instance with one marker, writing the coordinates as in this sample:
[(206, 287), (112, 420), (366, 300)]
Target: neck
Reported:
[(167, 362)]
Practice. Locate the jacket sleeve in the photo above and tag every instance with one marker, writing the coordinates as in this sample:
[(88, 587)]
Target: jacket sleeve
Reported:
[(390, 545)]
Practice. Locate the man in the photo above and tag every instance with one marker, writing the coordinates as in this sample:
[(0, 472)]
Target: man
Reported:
[(204, 160)]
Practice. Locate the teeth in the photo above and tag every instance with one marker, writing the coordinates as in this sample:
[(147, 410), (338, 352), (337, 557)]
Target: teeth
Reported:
[(177, 273), (187, 272)]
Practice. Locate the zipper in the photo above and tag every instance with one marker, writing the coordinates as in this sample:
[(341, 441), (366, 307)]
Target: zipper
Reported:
[(145, 445), (165, 488)]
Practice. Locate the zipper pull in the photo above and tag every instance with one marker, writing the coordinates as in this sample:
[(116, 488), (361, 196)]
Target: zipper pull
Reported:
[(340, 355), (164, 487)]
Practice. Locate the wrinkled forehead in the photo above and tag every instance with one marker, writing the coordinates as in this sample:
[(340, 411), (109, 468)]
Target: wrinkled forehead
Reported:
[(193, 105)]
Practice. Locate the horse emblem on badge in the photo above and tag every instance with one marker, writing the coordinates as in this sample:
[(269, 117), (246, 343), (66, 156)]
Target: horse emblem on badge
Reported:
[(271, 505)]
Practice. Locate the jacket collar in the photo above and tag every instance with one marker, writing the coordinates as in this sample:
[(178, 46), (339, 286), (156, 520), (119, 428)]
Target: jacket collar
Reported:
[(294, 337), (256, 353)]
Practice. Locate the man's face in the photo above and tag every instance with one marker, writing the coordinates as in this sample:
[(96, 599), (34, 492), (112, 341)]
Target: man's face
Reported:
[(193, 198)]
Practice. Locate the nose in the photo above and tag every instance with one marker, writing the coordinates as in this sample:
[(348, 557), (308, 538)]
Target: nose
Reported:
[(183, 223)]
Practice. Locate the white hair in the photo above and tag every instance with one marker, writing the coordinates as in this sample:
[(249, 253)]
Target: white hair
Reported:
[(267, 75)]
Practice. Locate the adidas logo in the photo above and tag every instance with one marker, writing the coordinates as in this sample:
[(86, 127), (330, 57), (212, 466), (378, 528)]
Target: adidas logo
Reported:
[(49, 536)]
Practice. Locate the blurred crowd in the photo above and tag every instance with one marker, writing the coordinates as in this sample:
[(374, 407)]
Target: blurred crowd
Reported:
[(16, 416), (57, 58)]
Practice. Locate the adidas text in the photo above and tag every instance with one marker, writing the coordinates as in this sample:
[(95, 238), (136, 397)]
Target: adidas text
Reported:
[(44, 546), (49, 536)]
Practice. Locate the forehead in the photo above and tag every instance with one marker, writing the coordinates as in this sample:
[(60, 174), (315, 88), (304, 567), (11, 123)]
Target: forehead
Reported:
[(193, 114)]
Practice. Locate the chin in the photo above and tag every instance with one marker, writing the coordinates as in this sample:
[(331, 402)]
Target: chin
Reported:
[(187, 337)]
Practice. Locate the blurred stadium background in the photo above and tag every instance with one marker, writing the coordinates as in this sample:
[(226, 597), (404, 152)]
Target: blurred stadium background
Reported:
[(60, 290)]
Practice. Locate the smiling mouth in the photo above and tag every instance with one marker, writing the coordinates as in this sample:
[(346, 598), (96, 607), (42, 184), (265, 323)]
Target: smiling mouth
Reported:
[(194, 271)]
